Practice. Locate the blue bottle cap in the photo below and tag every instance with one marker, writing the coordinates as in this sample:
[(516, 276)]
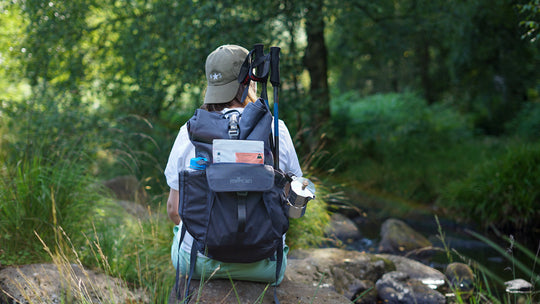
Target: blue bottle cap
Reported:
[(198, 163)]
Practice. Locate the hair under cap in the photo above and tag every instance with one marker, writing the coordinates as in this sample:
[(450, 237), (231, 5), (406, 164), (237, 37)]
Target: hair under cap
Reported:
[(222, 69)]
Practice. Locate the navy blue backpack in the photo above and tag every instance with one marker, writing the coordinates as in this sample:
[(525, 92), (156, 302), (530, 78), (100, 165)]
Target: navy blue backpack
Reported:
[(236, 212)]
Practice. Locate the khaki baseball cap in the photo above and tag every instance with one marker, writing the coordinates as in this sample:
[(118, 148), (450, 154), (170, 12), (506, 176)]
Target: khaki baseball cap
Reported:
[(222, 69)]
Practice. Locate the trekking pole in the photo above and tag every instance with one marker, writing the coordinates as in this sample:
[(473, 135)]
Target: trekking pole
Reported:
[(243, 76), (274, 80), (259, 69)]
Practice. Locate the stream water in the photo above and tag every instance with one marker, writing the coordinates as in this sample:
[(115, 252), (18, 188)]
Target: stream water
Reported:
[(369, 213)]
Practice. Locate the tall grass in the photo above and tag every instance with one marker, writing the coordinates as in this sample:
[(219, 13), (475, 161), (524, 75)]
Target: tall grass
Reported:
[(48, 153), (79, 284), (136, 250), (489, 287), (47, 149), (35, 197), (528, 263)]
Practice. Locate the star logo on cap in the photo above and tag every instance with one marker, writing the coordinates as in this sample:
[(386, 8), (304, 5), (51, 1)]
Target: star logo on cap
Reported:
[(215, 76)]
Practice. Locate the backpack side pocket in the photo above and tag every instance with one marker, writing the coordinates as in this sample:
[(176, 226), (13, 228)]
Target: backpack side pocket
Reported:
[(194, 206)]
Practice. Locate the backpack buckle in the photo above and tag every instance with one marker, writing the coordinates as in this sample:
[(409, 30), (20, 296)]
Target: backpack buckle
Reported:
[(234, 131)]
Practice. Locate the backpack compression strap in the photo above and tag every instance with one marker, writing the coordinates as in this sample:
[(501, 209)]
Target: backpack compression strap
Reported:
[(234, 132), (177, 280), (279, 263), (192, 263)]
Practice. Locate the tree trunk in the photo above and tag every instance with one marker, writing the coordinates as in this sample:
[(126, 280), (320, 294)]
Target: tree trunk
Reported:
[(424, 64), (315, 60)]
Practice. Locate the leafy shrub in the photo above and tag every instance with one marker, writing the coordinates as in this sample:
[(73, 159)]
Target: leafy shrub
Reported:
[(396, 144), (504, 192), (527, 123), (390, 125)]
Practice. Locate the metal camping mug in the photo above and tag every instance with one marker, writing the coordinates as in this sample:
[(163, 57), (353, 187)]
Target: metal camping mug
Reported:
[(302, 191)]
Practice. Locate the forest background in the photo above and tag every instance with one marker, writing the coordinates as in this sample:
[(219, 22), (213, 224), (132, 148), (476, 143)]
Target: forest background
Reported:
[(429, 105)]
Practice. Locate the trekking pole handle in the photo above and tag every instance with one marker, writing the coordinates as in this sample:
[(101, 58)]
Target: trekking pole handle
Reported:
[(258, 52), (258, 49), (274, 66)]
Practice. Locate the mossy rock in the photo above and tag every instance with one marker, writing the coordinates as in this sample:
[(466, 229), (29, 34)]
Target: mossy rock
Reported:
[(398, 237)]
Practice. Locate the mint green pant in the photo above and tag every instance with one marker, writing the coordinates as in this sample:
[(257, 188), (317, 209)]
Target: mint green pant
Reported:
[(205, 268)]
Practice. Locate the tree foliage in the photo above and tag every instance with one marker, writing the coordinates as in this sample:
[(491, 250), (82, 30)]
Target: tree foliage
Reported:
[(394, 46), (530, 12), (468, 53), (146, 58), (137, 66)]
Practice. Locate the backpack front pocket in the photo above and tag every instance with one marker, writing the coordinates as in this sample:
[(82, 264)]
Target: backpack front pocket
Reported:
[(239, 177)]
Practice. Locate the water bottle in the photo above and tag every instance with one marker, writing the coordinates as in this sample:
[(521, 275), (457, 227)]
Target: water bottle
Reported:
[(198, 163)]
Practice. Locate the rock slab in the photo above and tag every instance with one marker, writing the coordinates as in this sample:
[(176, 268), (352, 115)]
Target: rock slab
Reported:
[(398, 288), (326, 276), (69, 283), (223, 291)]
